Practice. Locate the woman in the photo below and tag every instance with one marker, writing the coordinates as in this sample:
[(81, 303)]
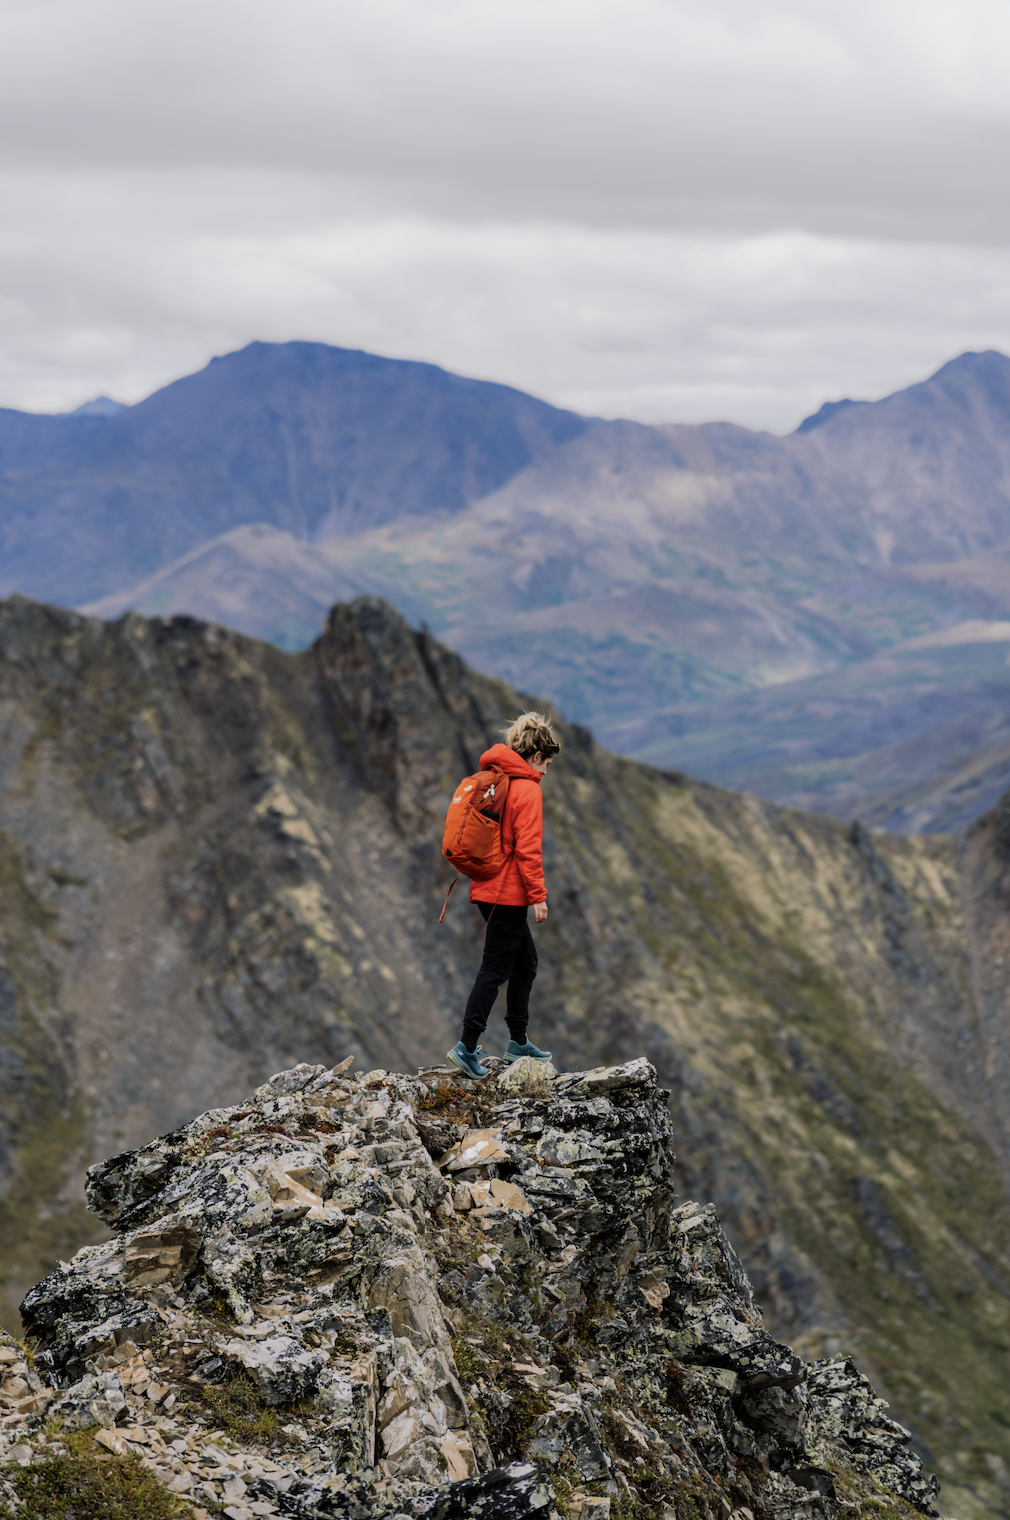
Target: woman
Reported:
[(509, 952)]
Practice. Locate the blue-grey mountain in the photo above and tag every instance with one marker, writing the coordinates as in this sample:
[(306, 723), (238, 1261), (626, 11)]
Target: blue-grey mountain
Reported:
[(317, 441)]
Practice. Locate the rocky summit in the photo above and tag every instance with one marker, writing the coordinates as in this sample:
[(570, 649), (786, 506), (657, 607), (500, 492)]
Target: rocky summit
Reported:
[(379, 1295)]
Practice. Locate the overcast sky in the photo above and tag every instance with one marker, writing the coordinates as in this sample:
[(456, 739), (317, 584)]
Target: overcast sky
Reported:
[(634, 207)]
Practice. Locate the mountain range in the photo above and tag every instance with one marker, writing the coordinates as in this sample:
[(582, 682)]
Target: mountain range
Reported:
[(822, 618)]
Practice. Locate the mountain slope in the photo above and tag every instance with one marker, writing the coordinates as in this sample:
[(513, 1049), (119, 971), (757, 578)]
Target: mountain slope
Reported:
[(319, 441), (613, 541), (218, 859), (932, 461), (914, 740), (260, 581)]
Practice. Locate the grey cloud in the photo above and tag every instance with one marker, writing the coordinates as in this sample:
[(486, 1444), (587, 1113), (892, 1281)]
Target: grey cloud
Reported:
[(658, 114), (643, 207)]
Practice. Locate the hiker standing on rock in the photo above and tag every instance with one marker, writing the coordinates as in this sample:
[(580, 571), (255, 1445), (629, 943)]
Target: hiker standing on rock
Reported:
[(504, 898)]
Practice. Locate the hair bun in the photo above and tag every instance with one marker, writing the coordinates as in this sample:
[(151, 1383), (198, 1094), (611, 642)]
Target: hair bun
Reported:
[(531, 734)]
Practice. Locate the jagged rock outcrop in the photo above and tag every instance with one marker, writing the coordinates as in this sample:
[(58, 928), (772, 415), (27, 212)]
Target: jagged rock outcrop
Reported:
[(312, 1306)]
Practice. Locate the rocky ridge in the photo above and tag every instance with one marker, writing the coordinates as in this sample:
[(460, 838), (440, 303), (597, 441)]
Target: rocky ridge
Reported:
[(217, 861), (379, 1295)]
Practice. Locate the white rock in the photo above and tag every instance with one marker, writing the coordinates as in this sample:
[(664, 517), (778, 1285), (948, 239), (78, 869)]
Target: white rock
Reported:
[(459, 1457), (401, 1393), (400, 1433)]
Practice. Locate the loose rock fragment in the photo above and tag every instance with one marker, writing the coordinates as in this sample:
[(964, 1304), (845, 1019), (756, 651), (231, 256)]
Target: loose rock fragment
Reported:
[(478, 1147)]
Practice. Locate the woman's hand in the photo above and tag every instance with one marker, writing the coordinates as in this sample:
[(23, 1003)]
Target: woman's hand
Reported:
[(539, 912)]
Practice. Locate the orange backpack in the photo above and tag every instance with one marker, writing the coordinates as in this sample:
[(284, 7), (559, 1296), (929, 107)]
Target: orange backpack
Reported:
[(473, 827)]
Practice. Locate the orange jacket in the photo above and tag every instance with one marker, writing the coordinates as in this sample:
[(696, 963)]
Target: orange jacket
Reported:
[(521, 879)]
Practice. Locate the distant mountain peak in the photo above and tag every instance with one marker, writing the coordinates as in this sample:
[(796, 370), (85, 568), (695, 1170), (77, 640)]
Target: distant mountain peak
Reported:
[(987, 368), (101, 406), (973, 359), (827, 411)]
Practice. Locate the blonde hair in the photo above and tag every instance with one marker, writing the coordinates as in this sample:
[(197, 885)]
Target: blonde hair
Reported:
[(531, 734)]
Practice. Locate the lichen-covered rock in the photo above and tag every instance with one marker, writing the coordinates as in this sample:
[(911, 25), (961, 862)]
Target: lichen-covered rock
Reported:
[(304, 1313)]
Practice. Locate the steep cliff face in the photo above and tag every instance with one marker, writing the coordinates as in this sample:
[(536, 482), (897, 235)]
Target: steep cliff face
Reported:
[(217, 860), (522, 1323)]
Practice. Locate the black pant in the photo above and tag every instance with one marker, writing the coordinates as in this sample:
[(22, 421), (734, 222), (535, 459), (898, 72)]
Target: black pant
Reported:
[(509, 956)]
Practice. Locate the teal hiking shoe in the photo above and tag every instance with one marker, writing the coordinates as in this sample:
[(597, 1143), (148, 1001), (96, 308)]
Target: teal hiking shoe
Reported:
[(467, 1061), (516, 1052)]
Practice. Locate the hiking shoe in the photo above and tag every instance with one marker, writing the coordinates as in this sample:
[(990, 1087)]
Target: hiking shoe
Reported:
[(516, 1052), (467, 1061)]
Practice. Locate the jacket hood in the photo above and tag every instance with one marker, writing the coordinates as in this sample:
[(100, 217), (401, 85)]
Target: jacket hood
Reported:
[(507, 760)]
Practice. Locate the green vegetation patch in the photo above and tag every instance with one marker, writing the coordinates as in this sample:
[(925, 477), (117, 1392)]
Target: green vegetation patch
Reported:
[(240, 1410), (456, 1104), (83, 1484), (485, 1358)]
